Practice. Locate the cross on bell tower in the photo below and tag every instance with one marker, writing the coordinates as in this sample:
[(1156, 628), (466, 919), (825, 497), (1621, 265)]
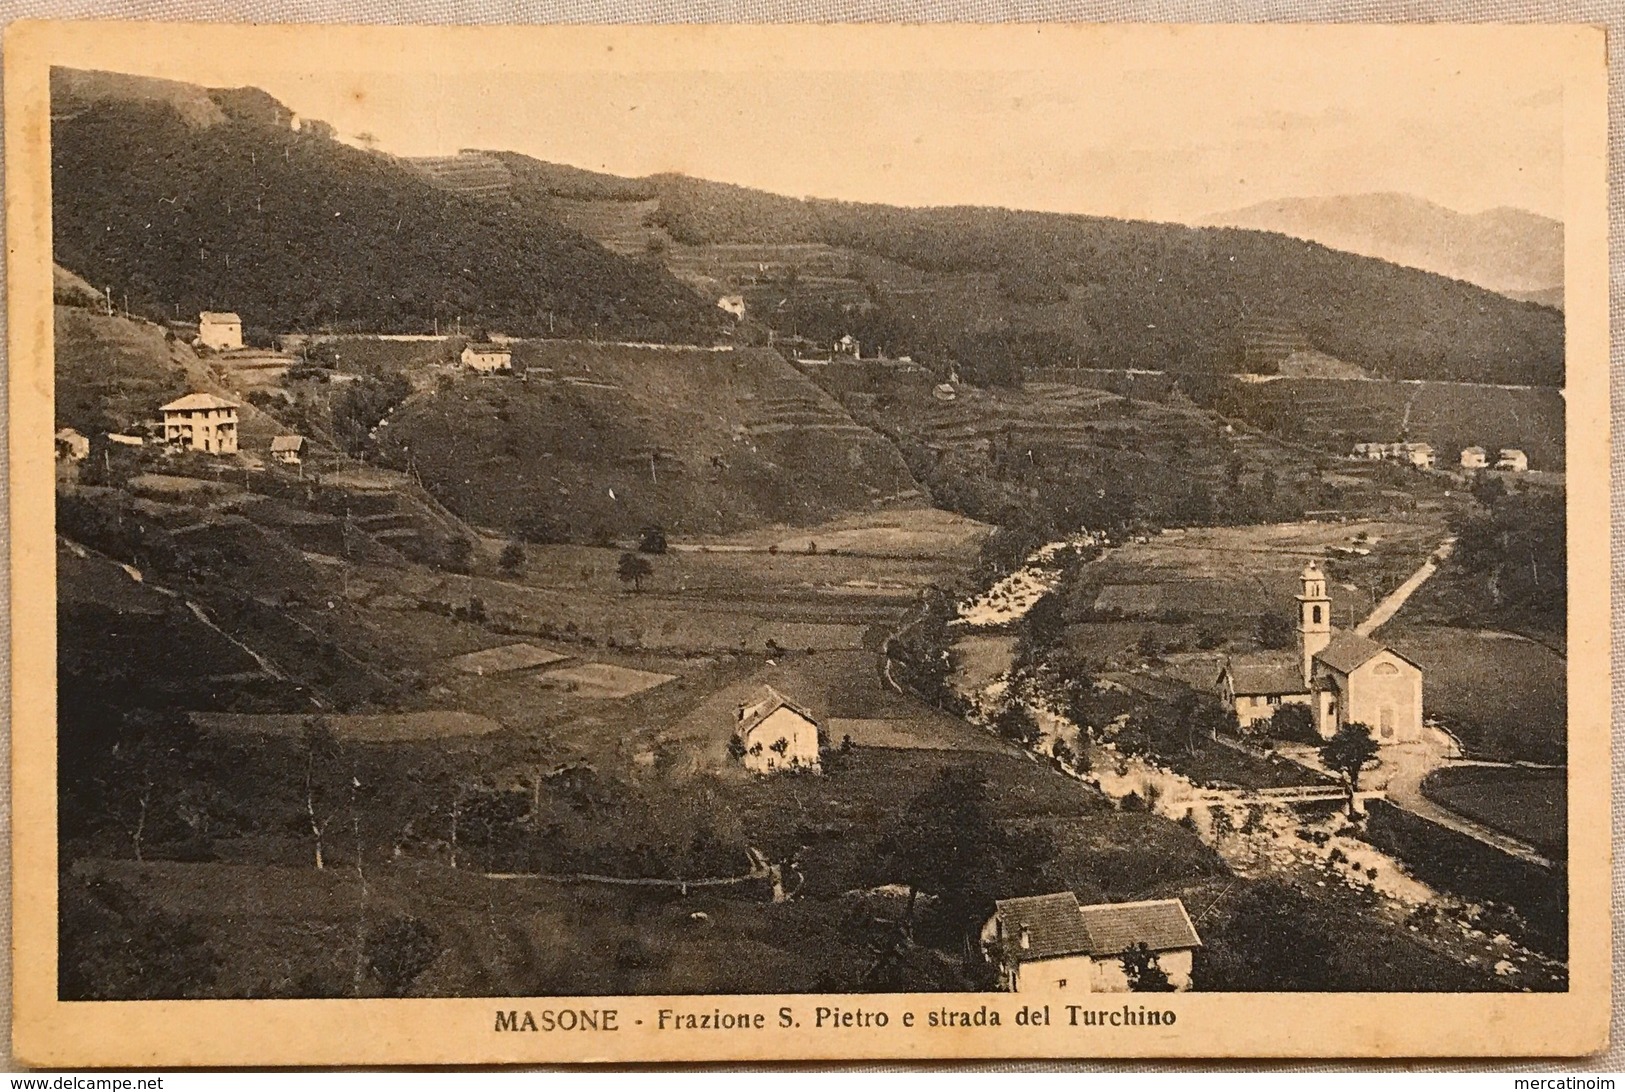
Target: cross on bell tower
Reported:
[(1314, 617)]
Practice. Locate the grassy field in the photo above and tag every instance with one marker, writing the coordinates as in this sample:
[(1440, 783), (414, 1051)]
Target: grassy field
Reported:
[(1531, 805), (1200, 594), (1468, 683)]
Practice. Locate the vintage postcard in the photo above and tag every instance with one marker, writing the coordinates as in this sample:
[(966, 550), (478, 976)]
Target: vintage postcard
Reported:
[(807, 543)]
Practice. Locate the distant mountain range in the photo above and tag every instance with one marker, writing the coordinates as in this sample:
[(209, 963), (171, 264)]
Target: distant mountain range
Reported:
[(1507, 250)]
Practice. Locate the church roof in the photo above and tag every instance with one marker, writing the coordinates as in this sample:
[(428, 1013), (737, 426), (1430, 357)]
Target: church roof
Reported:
[(1349, 650), (1266, 673)]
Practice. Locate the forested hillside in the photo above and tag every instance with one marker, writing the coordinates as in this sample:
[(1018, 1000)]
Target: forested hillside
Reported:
[(1001, 289), (188, 212)]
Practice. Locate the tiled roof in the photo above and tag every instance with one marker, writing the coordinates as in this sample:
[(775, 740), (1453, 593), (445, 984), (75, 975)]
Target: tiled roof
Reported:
[(771, 702), (219, 316), (287, 443), (200, 402), (1160, 924), (1266, 674), (1054, 927), (488, 347), (1348, 651)]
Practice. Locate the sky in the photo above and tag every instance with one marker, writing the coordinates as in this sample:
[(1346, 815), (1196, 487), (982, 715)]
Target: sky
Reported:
[(1137, 122)]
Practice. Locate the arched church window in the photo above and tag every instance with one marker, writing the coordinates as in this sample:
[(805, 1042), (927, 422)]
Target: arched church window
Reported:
[(1385, 669)]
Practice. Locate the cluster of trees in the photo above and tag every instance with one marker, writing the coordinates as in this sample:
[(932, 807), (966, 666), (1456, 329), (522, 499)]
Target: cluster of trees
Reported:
[(360, 406), (1513, 551)]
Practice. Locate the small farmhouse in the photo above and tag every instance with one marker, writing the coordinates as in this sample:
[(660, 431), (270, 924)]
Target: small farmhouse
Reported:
[(773, 734), (848, 345), (1343, 676), (202, 422), (289, 450), (487, 358), (734, 305), (1512, 459), (1049, 944), (1474, 458), (221, 331), (1416, 454), (1419, 455), (72, 445)]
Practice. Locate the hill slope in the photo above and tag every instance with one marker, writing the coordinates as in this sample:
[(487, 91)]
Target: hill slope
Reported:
[(191, 204), (1506, 250), (978, 284), (598, 441)]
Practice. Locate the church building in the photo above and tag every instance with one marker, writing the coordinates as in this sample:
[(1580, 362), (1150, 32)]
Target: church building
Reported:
[(1341, 675)]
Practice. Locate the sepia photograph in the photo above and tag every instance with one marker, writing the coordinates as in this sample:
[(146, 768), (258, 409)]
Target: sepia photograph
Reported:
[(814, 532)]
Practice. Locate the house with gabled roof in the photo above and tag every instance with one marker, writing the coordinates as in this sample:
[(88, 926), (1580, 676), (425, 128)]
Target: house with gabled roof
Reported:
[(288, 449), (221, 331), (203, 422), (1050, 944), (1343, 676), (772, 734), (487, 358)]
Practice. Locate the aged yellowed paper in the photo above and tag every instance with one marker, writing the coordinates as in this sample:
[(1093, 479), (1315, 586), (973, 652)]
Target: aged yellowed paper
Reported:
[(757, 543)]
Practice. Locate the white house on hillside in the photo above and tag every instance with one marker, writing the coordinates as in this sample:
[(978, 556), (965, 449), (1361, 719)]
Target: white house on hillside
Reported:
[(487, 358), (734, 305), (221, 331), (1049, 944), (1512, 459), (72, 445), (1342, 676), (1474, 458), (773, 733), (202, 422)]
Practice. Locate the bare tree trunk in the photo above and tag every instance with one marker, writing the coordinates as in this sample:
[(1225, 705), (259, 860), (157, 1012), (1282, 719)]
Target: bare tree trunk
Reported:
[(141, 819), (456, 813), (361, 877), (316, 828)]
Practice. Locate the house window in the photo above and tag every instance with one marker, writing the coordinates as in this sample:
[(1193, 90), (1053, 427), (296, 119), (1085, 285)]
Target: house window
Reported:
[(1317, 615), (1060, 983), (1274, 699)]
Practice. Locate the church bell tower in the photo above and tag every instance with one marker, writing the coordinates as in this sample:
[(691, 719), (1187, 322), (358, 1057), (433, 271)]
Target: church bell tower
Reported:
[(1314, 618)]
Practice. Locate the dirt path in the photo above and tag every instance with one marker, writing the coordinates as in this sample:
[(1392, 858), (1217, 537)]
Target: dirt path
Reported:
[(1404, 786), (1395, 599)]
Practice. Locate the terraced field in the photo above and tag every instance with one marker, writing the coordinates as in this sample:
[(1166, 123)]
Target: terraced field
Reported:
[(607, 439)]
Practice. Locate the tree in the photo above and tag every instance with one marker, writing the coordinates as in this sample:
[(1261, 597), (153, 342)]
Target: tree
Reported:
[(1016, 723), (1293, 721), (1347, 752), (947, 843), (322, 754), (512, 558), (1144, 971), (1273, 630), (400, 949), (633, 570), (652, 540)]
